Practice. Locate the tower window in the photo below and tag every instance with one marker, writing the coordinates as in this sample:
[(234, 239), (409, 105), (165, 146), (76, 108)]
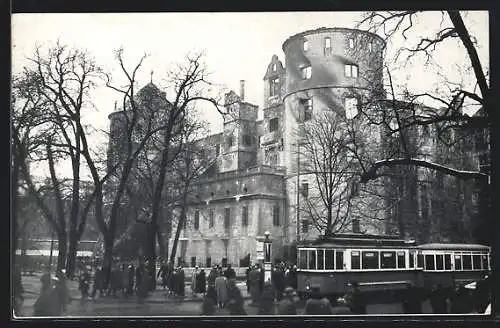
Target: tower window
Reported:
[(197, 220), (247, 140), (276, 215), (351, 43), (351, 107), (305, 45), (217, 150), (274, 87), (211, 219), (271, 156), (351, 70), (306, 72), (308, 108), (305, 189), (230, 141), (274, 67), (227, 217), (370, 46), (328, 46), (244, 216), (273, 124)]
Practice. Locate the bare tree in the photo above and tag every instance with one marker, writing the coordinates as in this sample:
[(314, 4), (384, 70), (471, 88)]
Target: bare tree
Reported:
[(453, 100)]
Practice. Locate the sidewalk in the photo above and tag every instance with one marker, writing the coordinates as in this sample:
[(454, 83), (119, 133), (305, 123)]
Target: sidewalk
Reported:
[(32, 287)]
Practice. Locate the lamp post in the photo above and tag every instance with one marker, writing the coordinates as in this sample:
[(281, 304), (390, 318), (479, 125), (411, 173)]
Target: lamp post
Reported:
[(267, 256)]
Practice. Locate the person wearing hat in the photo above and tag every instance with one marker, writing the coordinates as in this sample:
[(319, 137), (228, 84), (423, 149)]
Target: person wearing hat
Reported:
[(62, 287), (341, 307), (355, 299), (287, 305)]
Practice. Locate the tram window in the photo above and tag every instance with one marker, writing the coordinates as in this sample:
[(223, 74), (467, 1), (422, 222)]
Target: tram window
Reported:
[(447, 262), (302, 259), (370, 260), (439, 262), (467, 262), (388, 260), (329, 253), (321, 259), (401, 260), (412, 260), (339, 260), (420, 261), (476, 262), (458, 262), (312, 260), (484, 260), (355, 260), (429, 262)]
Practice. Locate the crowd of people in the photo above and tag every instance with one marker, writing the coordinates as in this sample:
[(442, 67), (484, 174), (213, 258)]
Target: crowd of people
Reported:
[(220, 291)]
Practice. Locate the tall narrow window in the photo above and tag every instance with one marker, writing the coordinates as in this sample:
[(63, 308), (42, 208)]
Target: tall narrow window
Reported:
[(217, 150), (274, 87), (401, 260), (305, 226), (321, 259), (355, 226), (230, 141), (328, 46), (308, 108), (305, 189), (339, 260), (351, 70), (197, 220), (276, 215), (247, 140), (274, 67), (273, 124), (305, 45), (351, 107), (329, 259), (227, 217), (355, 260), (351, 43), (306, 72), (370, 46), (211, 218), (244, 216)]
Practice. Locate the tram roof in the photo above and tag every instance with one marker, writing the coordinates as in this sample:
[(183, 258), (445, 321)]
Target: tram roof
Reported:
[(357, 240), (442, 246)]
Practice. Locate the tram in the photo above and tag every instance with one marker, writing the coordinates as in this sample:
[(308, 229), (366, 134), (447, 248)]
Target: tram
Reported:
[(385, 263)]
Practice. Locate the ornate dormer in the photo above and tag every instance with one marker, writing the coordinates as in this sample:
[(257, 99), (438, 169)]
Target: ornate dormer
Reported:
[(274, 82)]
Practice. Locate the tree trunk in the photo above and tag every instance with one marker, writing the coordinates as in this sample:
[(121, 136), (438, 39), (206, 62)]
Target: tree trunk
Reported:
[(62, 245), (71, 258), (108, 258), (177, 234)]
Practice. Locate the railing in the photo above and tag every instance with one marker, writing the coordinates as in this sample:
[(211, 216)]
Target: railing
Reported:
[(239, 173)]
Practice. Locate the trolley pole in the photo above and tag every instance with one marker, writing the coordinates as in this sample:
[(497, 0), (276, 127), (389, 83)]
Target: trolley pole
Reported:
[(298, 197)]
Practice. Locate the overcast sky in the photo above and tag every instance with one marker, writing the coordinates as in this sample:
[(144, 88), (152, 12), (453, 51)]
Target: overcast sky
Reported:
[(238, 46)]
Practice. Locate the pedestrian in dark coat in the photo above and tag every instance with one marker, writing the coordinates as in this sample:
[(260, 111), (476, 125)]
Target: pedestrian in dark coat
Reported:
[(355, 299), (229, 273), (278, 279), (247, 276), (63, 290), (255, 289), (262, 277), (163, 274), (130, 286), (412, 300), (266, 303), (438, 300), (287, 306), (98, 284), (201, 283), (138, 275), (236, 302)]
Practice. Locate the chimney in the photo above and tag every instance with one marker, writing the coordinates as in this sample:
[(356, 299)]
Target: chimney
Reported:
[(242, 90)]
